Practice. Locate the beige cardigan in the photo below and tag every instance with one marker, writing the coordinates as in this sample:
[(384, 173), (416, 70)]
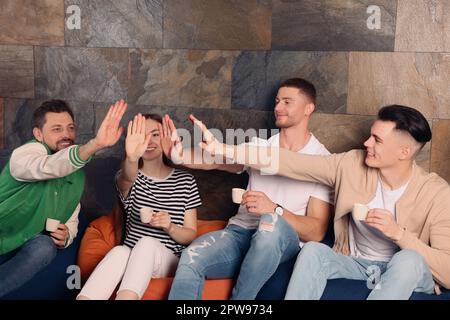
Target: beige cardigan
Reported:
[(423, 210)]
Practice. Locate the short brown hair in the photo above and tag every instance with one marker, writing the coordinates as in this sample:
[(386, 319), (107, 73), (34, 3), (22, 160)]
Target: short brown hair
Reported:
[(56, 106), (306, 87)]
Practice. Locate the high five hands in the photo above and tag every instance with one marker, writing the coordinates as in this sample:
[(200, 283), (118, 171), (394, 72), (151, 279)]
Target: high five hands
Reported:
[(137, 140), (171, 142), (210, 144), (109, 132)]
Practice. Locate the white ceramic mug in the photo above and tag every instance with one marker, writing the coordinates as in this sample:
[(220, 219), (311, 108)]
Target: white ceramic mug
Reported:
[(146, 214), (51, 225), (236, 194), (360, 211)]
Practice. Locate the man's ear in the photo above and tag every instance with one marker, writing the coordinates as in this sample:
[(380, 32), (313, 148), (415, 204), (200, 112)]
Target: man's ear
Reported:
[(406, 152), (37, 133), (309, 108)]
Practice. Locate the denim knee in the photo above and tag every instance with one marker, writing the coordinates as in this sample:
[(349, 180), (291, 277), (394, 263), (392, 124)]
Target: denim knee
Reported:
[(269, 231), (42, 248), (184, 258), (313, 249), (273, 231), (193, 256), (409, 263)]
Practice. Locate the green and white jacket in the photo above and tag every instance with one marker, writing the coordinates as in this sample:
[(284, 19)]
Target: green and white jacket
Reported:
[(37, 184)]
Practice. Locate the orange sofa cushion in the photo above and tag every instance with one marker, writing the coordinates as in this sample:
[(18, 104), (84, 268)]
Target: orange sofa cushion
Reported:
[(99, 238)]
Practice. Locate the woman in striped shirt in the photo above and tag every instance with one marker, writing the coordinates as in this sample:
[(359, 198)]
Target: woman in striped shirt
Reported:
[(149, 250)]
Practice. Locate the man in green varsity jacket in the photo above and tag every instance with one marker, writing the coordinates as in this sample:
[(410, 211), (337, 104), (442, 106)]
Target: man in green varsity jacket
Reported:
[(43, 180)]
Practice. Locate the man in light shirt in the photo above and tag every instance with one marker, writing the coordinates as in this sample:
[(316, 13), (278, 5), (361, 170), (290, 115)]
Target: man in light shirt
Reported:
[(277, 214)]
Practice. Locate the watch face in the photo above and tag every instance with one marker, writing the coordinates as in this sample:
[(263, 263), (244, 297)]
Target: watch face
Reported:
[(279, 210)]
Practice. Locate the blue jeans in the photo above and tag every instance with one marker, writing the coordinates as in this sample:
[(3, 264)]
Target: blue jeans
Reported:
[(405, 273), (253, 253), (19, 266)]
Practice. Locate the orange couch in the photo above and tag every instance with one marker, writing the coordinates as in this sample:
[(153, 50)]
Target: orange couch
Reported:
[(100, 237)]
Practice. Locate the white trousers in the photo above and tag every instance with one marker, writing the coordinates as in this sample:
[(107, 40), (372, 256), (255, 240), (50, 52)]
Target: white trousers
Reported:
[(135, 267)]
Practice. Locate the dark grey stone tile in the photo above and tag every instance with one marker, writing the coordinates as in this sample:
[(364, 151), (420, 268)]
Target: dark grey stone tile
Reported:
[(341, 133), (249, 81), (85, 74), (117, 23), (256, 76), (339, 25)]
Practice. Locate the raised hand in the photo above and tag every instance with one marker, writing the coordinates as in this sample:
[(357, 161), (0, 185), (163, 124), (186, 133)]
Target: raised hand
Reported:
[(170, 141), (210, 144), (136, 141), (109, 132)]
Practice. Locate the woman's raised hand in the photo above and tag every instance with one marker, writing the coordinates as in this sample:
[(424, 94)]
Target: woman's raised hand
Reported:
[(137, 141)]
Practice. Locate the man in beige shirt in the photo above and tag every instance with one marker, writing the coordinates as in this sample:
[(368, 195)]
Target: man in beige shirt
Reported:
[(403, 245)]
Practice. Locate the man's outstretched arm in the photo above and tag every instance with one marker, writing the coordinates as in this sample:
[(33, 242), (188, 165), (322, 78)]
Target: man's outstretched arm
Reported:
[(31, 162)]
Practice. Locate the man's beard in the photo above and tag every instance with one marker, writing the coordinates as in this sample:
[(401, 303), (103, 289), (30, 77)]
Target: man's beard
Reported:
[(281, 124)]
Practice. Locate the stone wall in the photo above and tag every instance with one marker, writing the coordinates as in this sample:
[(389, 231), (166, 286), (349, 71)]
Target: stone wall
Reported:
[(222, 60)]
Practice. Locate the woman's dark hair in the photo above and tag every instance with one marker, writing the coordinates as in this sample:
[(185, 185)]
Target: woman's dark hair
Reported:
[(157, 118), (119, 221), (56, 106), (407, 119), (305, 87)]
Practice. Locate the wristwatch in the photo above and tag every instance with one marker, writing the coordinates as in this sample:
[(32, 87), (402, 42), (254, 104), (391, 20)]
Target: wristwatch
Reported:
[(279, 210)]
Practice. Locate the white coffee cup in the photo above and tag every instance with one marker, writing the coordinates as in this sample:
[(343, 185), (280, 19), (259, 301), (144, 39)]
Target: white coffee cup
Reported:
[(51, 225), (146, 214), (236, 194), (360, 211)]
